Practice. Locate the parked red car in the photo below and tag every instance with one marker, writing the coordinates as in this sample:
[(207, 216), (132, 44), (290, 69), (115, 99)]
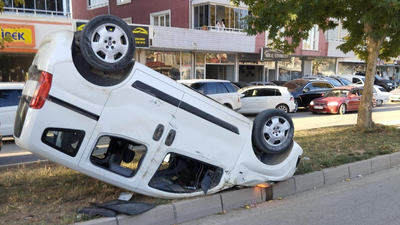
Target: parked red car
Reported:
[(339, 100)]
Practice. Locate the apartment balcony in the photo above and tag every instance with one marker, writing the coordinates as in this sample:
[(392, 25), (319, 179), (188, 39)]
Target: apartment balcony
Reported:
[(202, 40), (36, 12)]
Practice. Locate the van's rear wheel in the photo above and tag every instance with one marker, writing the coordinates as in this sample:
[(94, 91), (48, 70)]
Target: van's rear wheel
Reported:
[(107, 43), (273, 131)]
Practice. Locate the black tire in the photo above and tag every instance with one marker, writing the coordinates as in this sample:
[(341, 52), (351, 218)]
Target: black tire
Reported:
[(107, 43), (283, 107), (314, 112), (342, 109), (379, 103), (273, 131)]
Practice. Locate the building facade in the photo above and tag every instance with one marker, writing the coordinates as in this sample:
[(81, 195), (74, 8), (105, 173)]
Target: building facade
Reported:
[(185, 39)]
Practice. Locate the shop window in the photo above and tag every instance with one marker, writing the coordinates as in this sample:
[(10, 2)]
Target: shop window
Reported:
[(199, 74), (161, 18), (324, 66), (167, 63), (311, 43), (200, 58)]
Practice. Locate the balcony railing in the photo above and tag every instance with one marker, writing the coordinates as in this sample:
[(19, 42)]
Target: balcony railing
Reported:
[(36, 12), (227, 29)]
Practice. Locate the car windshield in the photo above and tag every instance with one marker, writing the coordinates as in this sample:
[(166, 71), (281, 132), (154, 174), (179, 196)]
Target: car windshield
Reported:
[(335, 82), (378, 77), (294, 85), (345, 81), (337, 93)]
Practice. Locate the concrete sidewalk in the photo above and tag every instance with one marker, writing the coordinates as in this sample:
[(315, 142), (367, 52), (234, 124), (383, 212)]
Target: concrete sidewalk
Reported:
[(195, 208)]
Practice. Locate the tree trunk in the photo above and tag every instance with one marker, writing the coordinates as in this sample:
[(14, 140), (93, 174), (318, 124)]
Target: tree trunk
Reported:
[(364, 119)]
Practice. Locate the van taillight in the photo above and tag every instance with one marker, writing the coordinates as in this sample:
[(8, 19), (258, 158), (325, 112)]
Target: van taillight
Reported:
[(42, 91)]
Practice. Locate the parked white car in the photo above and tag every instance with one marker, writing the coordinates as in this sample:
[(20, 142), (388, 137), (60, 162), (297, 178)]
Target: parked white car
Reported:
[(88, 106), (395, 95), (381, 95), (9, 99), (221, 91), (255, 99)]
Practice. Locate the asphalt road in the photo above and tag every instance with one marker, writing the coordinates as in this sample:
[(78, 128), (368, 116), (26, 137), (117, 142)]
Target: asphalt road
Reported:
[(303, 119), (372, 199)]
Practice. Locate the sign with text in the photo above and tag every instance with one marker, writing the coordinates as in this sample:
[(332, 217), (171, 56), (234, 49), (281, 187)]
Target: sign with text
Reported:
[(141, 34), (268, 53), (22, 35)]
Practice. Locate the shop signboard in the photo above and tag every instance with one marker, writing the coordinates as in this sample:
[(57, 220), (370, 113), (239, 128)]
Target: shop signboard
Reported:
[(272, 54), (22, 35), (141, 33)]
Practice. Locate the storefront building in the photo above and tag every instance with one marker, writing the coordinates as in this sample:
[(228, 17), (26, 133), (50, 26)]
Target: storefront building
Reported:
[(182, 40), (27, 25)]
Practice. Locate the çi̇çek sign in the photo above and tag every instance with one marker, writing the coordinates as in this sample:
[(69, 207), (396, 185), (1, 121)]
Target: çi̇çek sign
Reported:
[(22, 35)]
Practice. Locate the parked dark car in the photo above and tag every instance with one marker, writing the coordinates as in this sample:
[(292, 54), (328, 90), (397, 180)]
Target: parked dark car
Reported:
[(241, 84), (304, 91), (342, 80), (279, 82), (333, 80), (387, 84)]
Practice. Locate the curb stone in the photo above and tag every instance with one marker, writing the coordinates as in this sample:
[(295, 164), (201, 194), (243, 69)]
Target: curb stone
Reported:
[(191, 209)]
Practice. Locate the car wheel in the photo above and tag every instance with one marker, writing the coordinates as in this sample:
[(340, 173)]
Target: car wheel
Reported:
[(314, 112), (379, 103), (342, 109), (283, 107), (273, 131), (107, 43)]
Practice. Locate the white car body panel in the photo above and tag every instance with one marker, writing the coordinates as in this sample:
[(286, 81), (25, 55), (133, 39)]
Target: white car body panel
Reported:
[(205, 130), (256, 104), (7, 113), (381, 94)]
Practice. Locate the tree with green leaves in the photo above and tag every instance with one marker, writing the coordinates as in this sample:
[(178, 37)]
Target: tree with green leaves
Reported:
[(7, 38), (373, 31)]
